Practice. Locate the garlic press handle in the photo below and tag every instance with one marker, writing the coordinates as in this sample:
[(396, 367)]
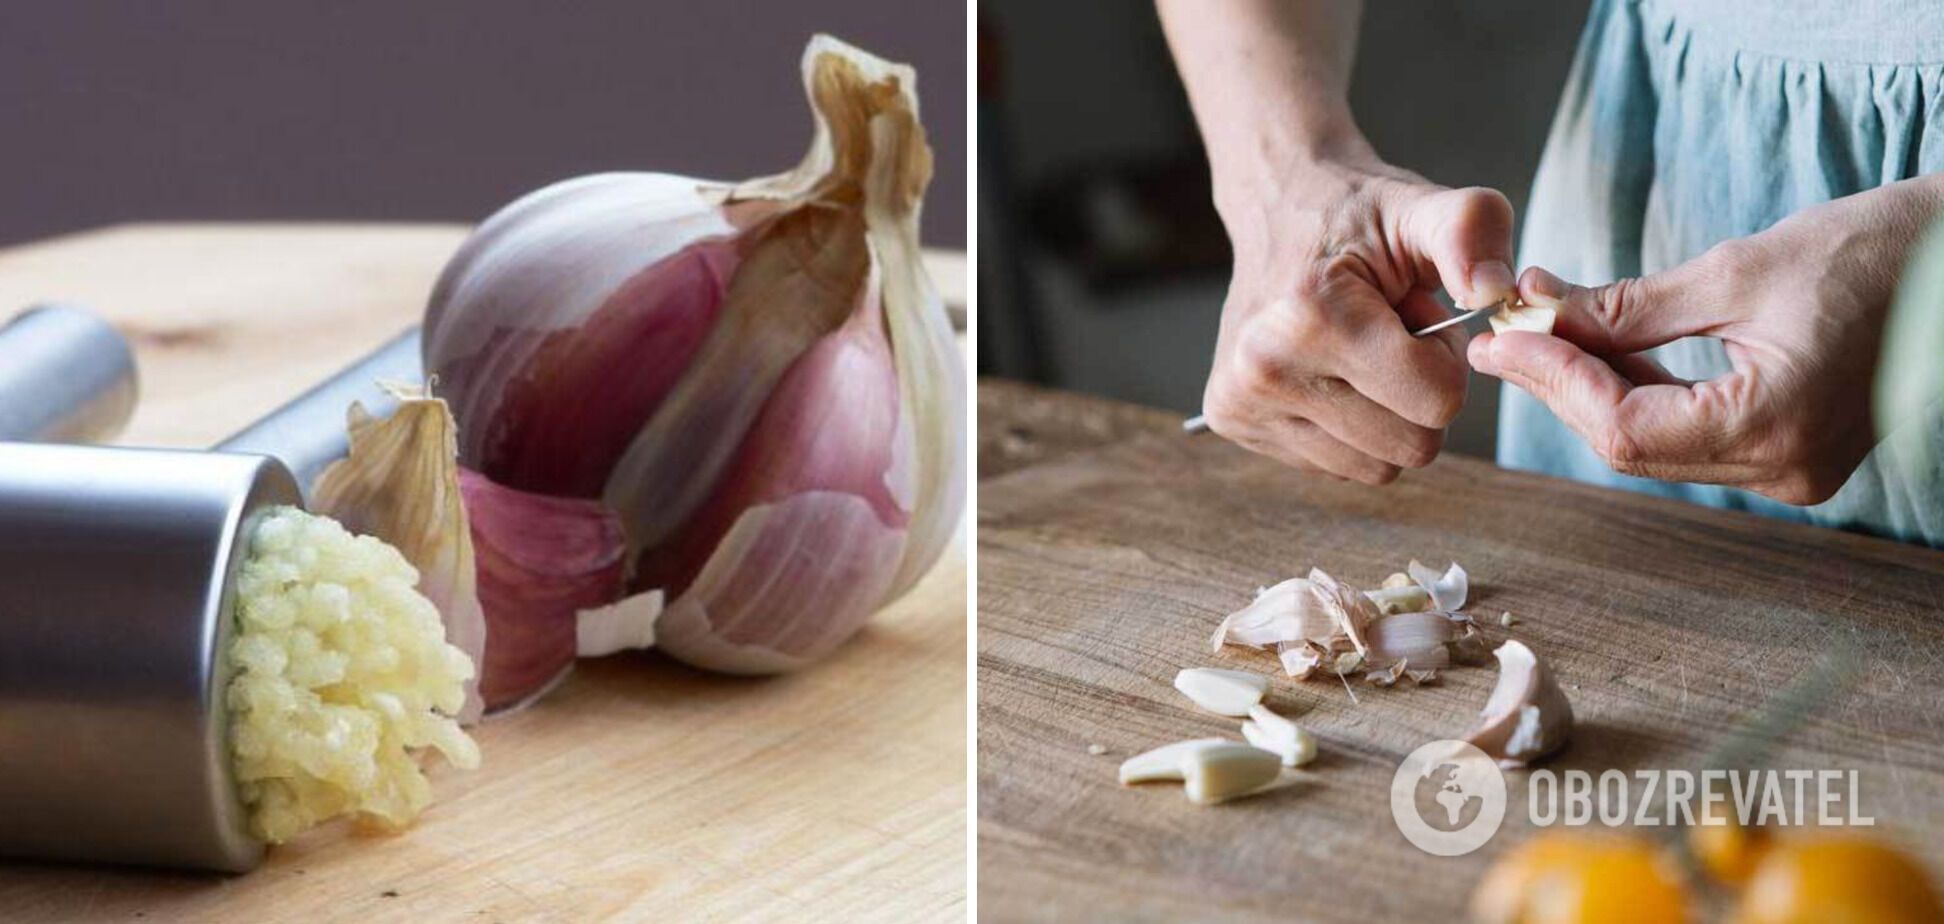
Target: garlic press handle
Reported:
[(66, 376), (308, 434)]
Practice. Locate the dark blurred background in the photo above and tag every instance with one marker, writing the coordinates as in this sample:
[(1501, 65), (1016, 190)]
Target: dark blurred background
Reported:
[(1102, 264), (115, 110)]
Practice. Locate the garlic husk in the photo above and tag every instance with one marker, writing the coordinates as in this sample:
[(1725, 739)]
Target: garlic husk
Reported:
[(400, 484), (1285, 612), (1527, 716), (1448, 590), (1423, 637), (541, 561), (780, 420), (1349, 611)]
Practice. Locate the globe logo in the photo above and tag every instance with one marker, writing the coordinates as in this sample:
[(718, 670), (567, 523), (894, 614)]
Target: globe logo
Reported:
[(1448, 798)]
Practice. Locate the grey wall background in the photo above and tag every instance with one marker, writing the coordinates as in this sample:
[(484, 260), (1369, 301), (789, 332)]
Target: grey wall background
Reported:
[(118, 110), (1084, 91)]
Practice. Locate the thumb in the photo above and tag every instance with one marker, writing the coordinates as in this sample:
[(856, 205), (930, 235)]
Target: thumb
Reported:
[(1631, 315), (1464, 237)]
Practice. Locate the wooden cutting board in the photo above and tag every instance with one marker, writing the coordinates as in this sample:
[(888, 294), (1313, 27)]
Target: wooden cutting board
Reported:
[(640, 789), (1113, 545)]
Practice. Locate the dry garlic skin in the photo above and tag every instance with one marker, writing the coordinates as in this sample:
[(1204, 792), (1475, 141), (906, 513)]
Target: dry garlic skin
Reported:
[(341, 674)]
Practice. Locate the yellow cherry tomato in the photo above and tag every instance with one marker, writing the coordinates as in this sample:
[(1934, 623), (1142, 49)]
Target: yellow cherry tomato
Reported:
[(1727, 850), (1568, 877), (1838, 879)]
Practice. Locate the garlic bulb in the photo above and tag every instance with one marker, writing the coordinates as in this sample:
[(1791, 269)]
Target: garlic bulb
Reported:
[(757, 380)]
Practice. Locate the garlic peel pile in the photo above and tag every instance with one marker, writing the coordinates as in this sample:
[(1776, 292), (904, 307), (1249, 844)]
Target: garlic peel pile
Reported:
[(1319, 622), (757, 379), (1527, 716)]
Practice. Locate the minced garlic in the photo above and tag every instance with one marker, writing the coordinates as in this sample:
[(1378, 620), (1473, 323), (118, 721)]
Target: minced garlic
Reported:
[(342, 675)]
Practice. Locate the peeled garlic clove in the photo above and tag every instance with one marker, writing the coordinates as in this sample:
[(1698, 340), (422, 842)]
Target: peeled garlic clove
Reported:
[(1220, 772), (1223, 692), (758, 378), (1272, 732), (1515, 315), (1410, 599), (542, 560), (400, 483), (1162, 763), (1447, 590), (1396, 580), (1527, 716)]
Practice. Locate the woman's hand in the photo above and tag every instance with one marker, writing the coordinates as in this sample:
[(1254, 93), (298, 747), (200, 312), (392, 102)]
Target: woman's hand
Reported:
[(1800, 308), (1335, 262)]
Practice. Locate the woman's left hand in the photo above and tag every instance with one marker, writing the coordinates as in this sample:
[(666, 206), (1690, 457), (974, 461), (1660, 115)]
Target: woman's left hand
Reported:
[(1800, 308)]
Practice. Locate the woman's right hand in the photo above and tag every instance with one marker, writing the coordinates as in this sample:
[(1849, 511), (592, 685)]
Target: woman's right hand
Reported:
[(1335, 264)]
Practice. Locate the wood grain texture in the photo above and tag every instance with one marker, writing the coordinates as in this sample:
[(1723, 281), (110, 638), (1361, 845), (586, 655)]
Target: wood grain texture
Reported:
[(640, 789), (1102, 573)]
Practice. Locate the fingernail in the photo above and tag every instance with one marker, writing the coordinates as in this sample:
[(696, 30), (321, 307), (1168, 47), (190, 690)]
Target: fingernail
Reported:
[(1545, 285), (1490, 281)]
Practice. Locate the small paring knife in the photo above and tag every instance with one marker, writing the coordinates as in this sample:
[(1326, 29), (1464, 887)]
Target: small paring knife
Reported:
[(1199, 424)]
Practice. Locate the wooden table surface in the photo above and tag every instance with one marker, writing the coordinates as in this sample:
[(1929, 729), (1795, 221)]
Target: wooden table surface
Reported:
[(1110, 545), (640, 789)]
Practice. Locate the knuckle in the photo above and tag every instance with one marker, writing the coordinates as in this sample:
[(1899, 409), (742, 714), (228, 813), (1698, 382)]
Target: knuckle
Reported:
[(1381, 474), (1621, 451), (1421, 450), (1734, 258)]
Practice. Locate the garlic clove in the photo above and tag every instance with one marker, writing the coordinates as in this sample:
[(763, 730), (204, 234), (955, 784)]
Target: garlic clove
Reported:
[(1223, 692), (1393, 600), (800, 542), (1527, 716), (1515, 315), (1272, 732), (1447, 590), (1397, 580), (1220, 772), (400, 483), (542, 560), (1162, 763)]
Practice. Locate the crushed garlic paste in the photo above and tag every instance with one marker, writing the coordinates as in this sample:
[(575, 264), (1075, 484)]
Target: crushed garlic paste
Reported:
[(341, 676)]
